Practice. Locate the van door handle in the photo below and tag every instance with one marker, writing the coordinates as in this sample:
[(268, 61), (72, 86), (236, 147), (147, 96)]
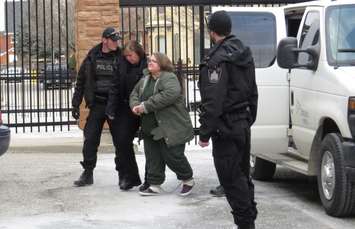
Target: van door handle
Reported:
[(292, 98)]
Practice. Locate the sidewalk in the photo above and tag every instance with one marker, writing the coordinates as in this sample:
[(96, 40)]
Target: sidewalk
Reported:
[(66, 141)]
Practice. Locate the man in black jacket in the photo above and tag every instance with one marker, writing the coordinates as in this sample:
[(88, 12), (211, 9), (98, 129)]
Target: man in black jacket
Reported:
[(93, 84), (228, 108)]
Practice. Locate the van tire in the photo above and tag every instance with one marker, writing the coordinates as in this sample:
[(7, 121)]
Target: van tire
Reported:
[(261, 169), (341, 201)]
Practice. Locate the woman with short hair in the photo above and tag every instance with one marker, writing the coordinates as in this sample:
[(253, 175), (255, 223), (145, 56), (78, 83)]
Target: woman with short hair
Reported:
[(165, 124)]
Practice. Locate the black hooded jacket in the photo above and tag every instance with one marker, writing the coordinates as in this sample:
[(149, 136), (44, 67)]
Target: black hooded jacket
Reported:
[(228, 88), (86, 80), (123, 84)]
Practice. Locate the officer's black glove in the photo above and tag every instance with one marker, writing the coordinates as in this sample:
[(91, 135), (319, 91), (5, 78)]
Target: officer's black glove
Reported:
[(75, 113)]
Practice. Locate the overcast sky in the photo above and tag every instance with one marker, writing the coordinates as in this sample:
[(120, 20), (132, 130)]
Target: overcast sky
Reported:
[(2, 15)]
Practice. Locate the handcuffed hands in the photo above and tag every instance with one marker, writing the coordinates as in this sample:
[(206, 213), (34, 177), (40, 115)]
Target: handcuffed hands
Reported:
[(138, 110)]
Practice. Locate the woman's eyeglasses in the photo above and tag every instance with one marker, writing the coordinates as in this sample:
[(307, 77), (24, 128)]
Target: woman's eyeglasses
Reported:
[(152, 61)]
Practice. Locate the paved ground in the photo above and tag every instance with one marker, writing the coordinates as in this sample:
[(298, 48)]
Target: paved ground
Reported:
[(36, 191)]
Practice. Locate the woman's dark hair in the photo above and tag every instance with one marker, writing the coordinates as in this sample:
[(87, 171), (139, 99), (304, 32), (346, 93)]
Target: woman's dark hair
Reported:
[(134, 46), (166, 65)]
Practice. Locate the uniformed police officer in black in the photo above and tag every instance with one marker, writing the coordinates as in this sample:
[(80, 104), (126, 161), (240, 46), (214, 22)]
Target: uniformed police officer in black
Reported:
[(93, 83), (228, 109)]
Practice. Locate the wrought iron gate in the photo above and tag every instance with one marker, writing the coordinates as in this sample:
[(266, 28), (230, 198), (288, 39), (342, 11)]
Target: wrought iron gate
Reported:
[(36, 68), (177, 28), (37, 64)]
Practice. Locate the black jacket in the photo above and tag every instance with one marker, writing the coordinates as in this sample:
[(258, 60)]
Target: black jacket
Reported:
[(123, 84), (86, 79), (228, 88)]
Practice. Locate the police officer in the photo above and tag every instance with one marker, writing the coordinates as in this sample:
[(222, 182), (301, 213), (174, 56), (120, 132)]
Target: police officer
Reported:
[(93, 83), (228, 109), (118, 110)]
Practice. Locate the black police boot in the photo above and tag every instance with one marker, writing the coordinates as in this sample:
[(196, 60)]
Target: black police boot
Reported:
[(86, 178), (248, 226), (120, 179), (126, 184), (218, 191)]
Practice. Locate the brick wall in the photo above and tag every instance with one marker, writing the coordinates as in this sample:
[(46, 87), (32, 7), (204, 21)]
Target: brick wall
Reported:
[(91, 18), (6, 42)]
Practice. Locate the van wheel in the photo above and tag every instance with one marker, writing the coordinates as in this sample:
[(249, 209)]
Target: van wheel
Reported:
[(261, 169), (335, 189)]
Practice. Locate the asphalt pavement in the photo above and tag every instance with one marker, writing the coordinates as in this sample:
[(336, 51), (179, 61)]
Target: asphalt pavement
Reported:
[(37, 192)]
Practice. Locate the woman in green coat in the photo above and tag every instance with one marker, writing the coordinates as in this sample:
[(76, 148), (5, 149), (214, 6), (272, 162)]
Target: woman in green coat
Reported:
[(165, 123)]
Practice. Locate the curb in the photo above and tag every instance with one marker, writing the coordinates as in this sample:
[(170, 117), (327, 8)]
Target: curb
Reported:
[(53, 142)]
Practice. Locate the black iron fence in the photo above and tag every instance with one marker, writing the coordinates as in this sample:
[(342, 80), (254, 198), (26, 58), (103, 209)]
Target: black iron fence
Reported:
[(36, 64), (177, 28)]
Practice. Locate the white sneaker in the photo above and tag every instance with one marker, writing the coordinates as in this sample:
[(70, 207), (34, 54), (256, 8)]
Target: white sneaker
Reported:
[(153, 190)]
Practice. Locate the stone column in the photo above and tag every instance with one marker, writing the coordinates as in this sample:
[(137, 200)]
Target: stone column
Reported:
[(91, 18)]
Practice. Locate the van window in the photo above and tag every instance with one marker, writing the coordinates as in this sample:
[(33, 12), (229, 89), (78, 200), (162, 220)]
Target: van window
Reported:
[(311, 18), (309, 35), (258, 31), (292, 26), (293, 21), (340, 35)]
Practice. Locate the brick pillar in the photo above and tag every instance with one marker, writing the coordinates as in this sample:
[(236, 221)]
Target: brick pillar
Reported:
[(91, 18)]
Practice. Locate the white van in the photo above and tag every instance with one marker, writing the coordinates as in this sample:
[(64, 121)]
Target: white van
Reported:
[(306, 113)]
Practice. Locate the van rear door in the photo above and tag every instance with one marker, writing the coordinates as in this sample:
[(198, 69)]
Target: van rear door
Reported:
[(261, 29)]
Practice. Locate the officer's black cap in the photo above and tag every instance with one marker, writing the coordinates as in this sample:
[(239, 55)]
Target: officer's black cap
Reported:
[(111, 33), (220, 23)]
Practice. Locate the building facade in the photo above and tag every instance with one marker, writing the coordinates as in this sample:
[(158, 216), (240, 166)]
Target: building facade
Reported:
[(7, 55)]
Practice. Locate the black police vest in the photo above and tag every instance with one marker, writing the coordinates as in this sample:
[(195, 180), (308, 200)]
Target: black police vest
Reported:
[(105, 70)]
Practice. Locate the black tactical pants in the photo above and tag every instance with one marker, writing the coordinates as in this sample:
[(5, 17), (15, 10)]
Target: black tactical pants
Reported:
[(122, 132), (92, 134), (125, 126), (231, 159)]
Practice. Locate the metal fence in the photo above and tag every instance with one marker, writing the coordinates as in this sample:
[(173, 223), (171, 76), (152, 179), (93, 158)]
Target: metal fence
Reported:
[(178, 29), (36, 69), (37, 64)]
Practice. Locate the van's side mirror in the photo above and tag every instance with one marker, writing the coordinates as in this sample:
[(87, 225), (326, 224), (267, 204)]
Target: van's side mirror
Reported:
[(286, 55), (313, 51)]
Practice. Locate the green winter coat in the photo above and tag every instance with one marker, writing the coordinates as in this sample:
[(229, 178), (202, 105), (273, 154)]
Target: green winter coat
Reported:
[(167, 103)]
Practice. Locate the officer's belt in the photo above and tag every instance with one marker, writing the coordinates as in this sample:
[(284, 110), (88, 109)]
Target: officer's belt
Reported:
[(237, 114)]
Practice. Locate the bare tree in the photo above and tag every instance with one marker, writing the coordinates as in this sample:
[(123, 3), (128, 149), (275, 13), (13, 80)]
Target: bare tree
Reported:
[(46, 29)]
